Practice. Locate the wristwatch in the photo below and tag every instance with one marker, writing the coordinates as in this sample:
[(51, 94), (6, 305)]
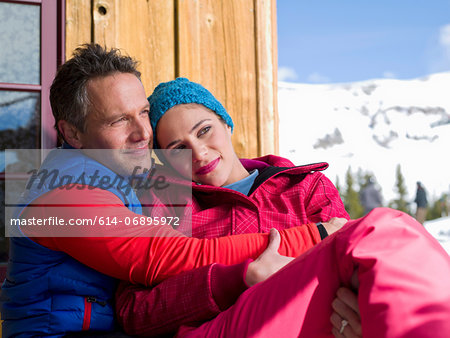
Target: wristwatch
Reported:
[(322, 231)]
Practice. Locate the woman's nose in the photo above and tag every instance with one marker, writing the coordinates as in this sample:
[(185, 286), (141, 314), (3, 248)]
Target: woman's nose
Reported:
[(199, 152)]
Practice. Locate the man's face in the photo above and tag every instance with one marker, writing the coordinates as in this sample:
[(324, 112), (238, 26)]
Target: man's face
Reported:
[(118, 119)]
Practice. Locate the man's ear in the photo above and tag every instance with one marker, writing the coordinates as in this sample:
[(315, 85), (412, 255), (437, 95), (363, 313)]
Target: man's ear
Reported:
[(70, 133)]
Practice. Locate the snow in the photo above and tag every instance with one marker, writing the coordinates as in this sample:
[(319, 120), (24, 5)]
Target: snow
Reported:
[(374, 125), (440, 229), (382, 123)]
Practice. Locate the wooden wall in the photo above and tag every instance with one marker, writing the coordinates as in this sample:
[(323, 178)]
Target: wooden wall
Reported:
[(229, 46)]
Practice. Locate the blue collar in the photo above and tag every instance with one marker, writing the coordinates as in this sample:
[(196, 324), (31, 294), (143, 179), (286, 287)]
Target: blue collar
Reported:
[(243, 186)]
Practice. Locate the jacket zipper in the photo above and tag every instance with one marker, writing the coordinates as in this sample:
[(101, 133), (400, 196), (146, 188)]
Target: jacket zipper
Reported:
[(88, 309)]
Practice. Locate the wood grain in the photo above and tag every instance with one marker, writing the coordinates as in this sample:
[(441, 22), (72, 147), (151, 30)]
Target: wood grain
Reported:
[(227, 46)]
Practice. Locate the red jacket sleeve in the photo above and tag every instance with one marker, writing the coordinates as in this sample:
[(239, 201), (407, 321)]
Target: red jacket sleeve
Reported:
[(159, 252), (323, 200)]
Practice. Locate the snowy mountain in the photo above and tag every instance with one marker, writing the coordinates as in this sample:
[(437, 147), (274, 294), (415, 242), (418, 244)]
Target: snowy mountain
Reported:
[(373, 125)]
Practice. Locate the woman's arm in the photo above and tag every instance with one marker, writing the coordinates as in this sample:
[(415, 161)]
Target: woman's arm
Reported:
[(323, 201)]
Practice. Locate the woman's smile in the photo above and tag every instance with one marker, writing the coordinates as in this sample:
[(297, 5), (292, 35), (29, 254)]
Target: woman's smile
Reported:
[(209, 167)]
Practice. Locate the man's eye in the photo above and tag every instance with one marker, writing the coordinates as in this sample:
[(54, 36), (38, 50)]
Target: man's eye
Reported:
[(177, 151), (119, 121), (204, 130)]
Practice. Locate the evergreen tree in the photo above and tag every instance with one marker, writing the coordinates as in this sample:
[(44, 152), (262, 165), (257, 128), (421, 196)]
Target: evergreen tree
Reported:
[(444, 205), (438, 208), (351, 197), (338, 186), (401, 202), (364, 177), (360, 179), (434, 211)]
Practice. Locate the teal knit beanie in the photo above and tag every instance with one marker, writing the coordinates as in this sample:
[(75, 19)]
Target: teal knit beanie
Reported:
[(182, 91)]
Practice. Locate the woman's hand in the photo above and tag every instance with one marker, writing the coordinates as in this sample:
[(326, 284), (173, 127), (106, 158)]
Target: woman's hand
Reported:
[(269, 262), (334, 224), (346, 319)]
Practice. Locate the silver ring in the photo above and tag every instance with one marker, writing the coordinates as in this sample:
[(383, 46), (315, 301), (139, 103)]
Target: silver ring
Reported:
[(344, 323)]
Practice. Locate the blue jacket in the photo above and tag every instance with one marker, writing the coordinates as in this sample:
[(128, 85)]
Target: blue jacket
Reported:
[(47, 292)]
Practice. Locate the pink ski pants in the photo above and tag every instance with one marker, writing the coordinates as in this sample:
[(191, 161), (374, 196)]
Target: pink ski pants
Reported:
[(404, 277)]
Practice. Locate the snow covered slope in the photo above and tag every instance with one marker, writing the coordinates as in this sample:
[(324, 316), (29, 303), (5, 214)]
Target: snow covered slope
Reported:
[(373, 125), (440, 229)]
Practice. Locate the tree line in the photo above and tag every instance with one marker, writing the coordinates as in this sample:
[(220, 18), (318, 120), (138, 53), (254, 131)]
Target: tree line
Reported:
[(356, 182)]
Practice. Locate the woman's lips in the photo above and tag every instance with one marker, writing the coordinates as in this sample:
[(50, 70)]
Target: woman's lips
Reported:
[(208, 168)]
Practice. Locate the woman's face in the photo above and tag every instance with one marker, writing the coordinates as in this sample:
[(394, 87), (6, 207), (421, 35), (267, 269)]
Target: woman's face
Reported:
[(194, 127)]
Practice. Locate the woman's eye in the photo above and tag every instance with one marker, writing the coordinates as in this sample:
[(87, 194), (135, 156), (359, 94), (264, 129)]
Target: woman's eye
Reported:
[(204, 130)]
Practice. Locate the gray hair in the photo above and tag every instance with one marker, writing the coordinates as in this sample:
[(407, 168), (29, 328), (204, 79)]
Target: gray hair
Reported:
[(69, 97)]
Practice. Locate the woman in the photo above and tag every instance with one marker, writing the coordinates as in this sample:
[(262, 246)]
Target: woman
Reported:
[(296, 300), (273, 192)]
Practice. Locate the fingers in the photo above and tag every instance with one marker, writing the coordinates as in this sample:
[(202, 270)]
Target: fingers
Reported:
[(268, 263), (348, 331), (349, 298), (274, 240), (354, 281), (344, 311)]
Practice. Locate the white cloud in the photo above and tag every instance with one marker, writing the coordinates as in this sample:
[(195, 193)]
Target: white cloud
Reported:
[(317, 78), (389, 75), (439, 53), (444, 36), (287, 74)]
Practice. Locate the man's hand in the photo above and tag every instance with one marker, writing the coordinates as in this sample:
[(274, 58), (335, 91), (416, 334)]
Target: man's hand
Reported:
[(346, 308), (269, 262), (334, 224)]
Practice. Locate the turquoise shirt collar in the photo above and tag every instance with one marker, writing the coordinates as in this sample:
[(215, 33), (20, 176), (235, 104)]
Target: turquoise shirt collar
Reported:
[(243, 186)]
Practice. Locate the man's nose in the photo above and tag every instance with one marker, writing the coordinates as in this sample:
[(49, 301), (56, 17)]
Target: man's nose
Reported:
[(141, 130)]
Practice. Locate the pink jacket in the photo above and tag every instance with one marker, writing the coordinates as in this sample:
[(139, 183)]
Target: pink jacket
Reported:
[(283, 196)]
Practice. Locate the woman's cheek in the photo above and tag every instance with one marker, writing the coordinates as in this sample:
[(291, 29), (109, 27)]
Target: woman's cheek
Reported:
[(185, 169)]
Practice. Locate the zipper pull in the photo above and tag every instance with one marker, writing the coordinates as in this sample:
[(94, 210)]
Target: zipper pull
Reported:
[(91, 299)]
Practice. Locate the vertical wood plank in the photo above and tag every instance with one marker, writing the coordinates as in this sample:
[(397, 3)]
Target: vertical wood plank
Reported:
[(78, 24), (149, 34), (266, 74), (228, 46), (142, 29), (216, 46), (106, 20)]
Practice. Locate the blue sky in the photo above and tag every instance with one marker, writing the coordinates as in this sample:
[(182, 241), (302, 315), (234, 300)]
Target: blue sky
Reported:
[(330, 41)]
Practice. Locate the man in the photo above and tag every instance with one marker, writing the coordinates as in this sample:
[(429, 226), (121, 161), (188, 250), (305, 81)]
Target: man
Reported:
[(63, 280), (370, 196), (421, 202)]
